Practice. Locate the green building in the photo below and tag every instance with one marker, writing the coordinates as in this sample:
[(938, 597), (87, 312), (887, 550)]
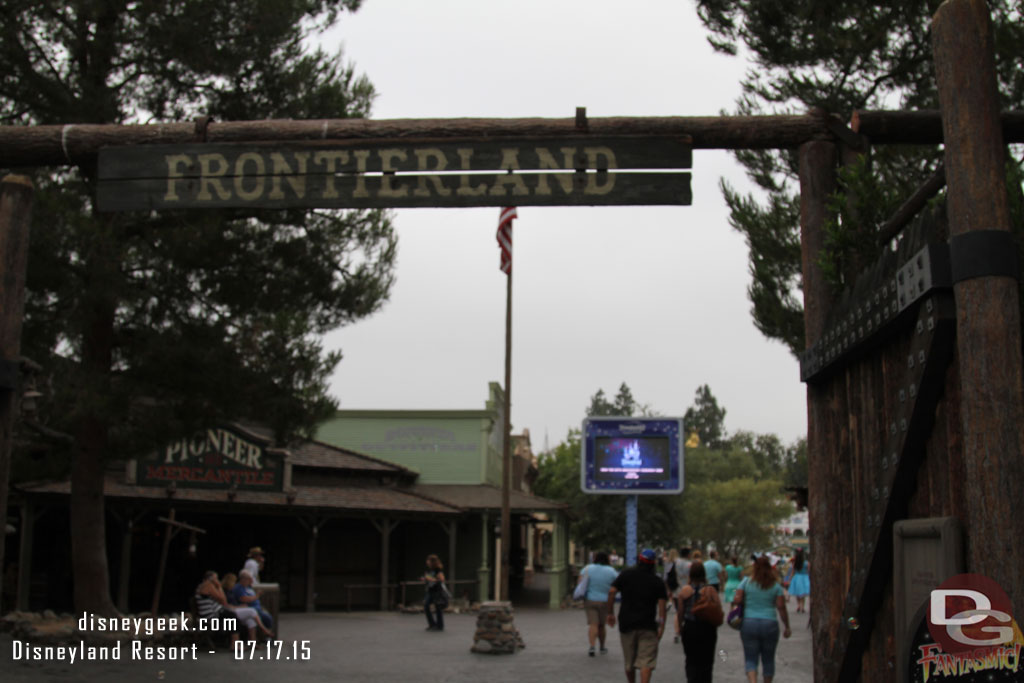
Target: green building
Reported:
[(457, 456)]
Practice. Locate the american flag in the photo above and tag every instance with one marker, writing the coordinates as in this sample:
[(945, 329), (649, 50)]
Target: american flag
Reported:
[(505, 237)]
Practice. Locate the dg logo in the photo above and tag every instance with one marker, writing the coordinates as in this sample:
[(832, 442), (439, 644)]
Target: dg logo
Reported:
[(969, 611)]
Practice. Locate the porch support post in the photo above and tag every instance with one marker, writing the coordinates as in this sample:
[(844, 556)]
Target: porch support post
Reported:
[(385, 527), (451, 527), (312, 526), (483, 573), (558, 576), (28, 523), (123, 579)]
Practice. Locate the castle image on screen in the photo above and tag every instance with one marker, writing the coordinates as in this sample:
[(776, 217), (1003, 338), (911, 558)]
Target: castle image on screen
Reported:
[(638, 458)]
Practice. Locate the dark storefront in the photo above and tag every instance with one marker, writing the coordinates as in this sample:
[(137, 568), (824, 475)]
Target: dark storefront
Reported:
[(336, 525)]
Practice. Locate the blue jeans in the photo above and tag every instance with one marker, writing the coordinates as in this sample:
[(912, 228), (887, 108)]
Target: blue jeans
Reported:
[(439, 603), (760, 638), (268, 621)]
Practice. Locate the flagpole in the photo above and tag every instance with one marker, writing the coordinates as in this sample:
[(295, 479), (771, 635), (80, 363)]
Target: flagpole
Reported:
[(506, 453)]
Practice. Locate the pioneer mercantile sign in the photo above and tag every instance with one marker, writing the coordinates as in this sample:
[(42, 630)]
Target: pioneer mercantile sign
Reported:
[(219, 457)]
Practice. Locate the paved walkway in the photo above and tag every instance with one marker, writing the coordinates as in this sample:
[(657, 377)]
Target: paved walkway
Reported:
[(387, 646)]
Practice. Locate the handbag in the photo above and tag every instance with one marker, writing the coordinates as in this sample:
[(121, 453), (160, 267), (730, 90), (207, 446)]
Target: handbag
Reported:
[(735, 618), (581, 587), (709, 608)]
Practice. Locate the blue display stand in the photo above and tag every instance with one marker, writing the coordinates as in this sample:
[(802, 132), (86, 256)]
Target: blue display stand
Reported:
[(631, 517)]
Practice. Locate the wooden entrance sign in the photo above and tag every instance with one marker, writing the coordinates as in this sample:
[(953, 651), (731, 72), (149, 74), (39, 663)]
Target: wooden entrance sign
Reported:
[(565, 171)]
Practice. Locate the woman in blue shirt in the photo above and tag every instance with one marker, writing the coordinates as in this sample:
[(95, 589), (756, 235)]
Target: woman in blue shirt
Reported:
[(599, 579), (761, 596)]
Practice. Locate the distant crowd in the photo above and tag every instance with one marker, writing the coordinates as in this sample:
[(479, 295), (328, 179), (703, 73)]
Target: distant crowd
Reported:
[(701, 591)]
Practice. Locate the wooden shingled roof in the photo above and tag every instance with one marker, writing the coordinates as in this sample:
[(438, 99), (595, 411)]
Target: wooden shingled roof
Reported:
[(350, 499), (485, 497)]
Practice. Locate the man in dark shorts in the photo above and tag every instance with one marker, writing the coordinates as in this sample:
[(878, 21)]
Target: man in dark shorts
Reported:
[(641, 616)]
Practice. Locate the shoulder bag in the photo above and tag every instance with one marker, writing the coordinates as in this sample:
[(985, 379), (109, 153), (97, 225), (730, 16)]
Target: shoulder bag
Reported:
[(709, 607), (581, 586), (735, 618)]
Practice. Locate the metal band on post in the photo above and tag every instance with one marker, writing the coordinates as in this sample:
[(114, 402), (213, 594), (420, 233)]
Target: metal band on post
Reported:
[(983, 253)]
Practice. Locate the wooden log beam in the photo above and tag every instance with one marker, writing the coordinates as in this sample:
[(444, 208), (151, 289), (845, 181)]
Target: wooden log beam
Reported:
[(910, 208), (920, 127), (73, 144), (987, 305), (78, 143)]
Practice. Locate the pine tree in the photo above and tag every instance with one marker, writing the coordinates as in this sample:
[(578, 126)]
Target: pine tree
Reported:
[(840, 56), (150, 325), (706, 418)]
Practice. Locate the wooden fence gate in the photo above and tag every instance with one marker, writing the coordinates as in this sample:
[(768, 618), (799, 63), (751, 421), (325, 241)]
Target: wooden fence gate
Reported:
[(886, 404), (914, 381)]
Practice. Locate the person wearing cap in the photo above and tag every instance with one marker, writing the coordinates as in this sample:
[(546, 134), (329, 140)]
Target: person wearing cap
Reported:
[(641, 615), (254, 563)]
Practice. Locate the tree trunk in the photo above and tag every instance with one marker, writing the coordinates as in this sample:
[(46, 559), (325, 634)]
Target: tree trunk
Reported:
[(15, 218), (88, 513), (88, 521)]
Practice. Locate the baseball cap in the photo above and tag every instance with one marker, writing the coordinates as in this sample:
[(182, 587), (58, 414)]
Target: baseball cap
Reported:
[(647, 555)]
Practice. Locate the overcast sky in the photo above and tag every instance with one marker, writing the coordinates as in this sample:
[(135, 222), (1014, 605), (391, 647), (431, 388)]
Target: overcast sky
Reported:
[(651, 296)]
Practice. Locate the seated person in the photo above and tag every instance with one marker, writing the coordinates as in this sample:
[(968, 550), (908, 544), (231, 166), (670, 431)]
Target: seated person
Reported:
[(245, 595), (211, 602)]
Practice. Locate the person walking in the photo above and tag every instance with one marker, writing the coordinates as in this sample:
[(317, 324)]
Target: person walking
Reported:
[(761, 596), (641, 615), (254, 562), (599, 580), (435, 595), (671, 579), (714, 571), (800, 580), (699, 637), (733, 576)]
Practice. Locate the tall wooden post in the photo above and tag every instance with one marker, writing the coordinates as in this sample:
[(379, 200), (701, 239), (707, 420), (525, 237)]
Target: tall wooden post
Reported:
[(506, 449), (817, 181), (15, 215), (987, 305)]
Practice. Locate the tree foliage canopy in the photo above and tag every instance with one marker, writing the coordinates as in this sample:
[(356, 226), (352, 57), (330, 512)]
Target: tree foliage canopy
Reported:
[(839, 56), (150, 325), (198, 315)]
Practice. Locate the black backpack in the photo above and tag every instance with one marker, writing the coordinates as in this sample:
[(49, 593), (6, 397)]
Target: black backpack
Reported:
[(671, 579)]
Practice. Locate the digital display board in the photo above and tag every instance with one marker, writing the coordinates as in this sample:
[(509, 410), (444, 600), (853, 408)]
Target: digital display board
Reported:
[(632, 455)]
